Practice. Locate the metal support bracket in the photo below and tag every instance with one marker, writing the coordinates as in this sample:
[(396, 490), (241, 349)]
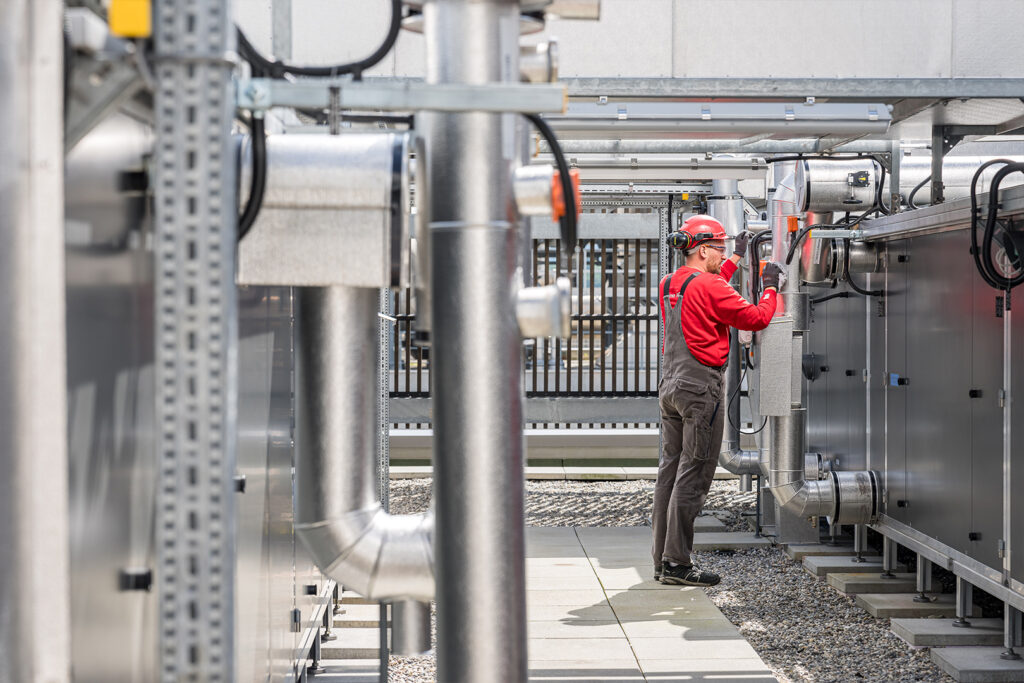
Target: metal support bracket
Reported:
[(196, 339), (260, 94), (944, 138)]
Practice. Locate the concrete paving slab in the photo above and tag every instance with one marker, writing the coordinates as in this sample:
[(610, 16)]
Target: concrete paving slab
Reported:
[(662, 605), (355, 643), (545, 473), (592, 641), (561, 649), (902, 605), (798, 551), (411, 471), (574, 629), (595, 473), (977, 665), (358, 616), (722, 474), (727, 540), (942, 633), (578, 598), (588, 670), (853, 583), (823, 565), (644, 473), (682, 629), (568, 613), (708, 523), (636, 577), (548, 583), (677, 648), (349, 671), (717, 670)]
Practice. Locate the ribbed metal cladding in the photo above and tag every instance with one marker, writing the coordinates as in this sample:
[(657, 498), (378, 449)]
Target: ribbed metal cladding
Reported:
[(476, 352)]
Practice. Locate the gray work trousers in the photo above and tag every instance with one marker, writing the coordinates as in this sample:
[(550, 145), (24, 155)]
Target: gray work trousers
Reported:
[(692, 420)]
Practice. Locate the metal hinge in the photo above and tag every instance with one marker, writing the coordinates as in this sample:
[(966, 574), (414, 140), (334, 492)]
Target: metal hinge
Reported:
[(1002, 398), (1001, 548)]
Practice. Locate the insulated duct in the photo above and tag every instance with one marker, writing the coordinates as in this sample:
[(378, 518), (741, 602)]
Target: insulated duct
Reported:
[(842, 497), (726, 204), (338, 514), (850, 184)]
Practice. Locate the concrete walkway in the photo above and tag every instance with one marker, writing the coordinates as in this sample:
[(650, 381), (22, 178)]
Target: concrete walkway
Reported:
[(596, 614)]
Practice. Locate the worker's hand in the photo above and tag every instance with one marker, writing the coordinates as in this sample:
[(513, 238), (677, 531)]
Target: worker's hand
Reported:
[(774, 275), (739, 247)]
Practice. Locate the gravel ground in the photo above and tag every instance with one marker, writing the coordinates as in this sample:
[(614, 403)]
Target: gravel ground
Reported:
[(802, 629)]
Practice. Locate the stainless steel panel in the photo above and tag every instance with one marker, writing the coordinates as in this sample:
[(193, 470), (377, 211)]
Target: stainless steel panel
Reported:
[(266, 545), (110, 326), (938, 409), (897, 290), (986, 412), (110, 402)]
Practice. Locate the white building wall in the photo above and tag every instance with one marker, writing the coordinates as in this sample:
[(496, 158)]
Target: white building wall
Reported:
[(708, 38)]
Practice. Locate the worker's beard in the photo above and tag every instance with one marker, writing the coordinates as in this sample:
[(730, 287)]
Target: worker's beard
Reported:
[(714, 267)]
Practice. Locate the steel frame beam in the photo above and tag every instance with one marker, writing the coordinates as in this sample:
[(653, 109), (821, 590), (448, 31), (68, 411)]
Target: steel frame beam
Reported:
[(797, 88)]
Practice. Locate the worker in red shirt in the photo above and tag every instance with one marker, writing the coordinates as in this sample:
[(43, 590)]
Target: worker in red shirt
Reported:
[(698, 306)]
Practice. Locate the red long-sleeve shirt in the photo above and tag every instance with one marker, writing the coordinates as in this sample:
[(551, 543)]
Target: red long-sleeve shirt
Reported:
[(710, 307)]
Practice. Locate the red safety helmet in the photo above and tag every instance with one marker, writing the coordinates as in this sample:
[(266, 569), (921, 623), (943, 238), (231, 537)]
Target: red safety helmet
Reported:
[(695, 231)]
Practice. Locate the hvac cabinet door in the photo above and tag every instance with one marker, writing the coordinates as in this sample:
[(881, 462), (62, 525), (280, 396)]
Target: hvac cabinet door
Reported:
[(986, 426), (819, 427), (938, 433), (265, 542), (897, 288)]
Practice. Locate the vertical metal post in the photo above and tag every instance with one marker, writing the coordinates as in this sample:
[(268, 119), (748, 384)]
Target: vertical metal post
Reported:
[(964, 603), (1011, 632), (924, 579), (895, 158), (477, 351), (385, 331), (196, 339), (888, 558), (938, 154), (860, 542), (34, 581)]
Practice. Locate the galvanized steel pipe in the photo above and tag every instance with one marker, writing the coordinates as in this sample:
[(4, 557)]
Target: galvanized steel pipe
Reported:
[(476, 353), (726, 204), (338, 514)]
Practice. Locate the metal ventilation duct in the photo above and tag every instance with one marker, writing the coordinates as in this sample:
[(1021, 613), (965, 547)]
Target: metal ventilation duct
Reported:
[(741, 119)]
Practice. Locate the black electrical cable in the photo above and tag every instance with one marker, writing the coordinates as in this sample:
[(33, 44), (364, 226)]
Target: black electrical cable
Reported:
[(991, 222), (754, 245), (803, 157), (913, 193), (728, 406), (569, 219), (258, 186), (991, 278), (829, 297), (277, 69), (983, 255), (849, 277)]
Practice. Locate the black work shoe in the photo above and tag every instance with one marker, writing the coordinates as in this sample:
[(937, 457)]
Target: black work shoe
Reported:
[(682, 575), (658, 570)]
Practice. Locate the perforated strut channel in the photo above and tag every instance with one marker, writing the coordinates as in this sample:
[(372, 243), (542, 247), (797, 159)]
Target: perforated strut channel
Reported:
[(196, 340)]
